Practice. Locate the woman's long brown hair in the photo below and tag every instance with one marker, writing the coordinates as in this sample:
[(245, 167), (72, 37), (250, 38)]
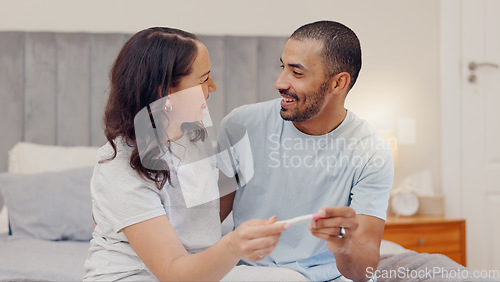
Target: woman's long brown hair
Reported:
[(149, 64)]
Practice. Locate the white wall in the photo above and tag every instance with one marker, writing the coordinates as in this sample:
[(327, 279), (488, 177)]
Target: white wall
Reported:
[(400, 42)]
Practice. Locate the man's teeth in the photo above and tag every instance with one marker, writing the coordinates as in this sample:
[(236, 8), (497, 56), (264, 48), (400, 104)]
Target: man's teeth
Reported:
[(288, 100)]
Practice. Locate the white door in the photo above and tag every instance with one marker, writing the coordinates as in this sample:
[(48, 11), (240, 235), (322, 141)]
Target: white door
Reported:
[(480, 160)]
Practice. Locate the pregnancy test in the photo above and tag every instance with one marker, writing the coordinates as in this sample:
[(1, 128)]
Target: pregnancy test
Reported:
[(297, 220)]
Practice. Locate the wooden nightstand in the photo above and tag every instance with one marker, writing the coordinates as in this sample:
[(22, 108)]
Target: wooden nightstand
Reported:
[(428, 234)]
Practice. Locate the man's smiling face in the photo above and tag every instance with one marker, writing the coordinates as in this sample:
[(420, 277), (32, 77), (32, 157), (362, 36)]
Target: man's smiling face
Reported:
[(302, 82)]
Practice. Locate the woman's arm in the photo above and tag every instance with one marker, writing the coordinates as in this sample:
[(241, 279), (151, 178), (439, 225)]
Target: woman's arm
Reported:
[(158, 246)]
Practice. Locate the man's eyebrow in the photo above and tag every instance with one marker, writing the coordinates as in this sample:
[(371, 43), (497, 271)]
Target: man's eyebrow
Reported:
[(298, 66)]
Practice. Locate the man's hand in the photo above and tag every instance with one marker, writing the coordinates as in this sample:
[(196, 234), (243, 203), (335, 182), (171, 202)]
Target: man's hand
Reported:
[(359, 248), (328, 223)]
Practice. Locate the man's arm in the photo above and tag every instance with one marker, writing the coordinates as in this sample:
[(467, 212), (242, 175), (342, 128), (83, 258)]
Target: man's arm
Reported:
[(359, 249), (226, 205), (227, 190)]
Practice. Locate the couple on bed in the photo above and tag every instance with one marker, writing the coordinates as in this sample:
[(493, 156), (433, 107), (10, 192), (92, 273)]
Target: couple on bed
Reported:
[(157, 189)]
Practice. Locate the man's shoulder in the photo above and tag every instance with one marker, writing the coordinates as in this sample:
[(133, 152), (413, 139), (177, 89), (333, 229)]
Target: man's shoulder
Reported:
[(365, 137), (255, 113), (360, 128)]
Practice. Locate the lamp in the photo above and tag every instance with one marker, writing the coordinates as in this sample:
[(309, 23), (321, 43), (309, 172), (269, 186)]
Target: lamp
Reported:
[(390, 137)]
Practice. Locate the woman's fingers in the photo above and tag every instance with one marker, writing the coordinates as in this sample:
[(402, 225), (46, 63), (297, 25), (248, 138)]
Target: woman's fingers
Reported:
[(262, 228), (259, 237), (263, 242), (261, 247)]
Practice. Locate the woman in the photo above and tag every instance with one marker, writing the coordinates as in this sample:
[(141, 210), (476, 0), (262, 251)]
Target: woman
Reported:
[(144, 228)]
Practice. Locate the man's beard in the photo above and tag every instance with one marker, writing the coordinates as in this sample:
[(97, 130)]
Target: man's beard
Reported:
[(314, 102)]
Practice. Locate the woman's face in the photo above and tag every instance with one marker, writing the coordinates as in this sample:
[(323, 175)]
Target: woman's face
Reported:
[(190, 103)]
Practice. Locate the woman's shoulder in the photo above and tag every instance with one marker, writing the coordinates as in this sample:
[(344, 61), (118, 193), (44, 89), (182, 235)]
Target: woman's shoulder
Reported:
[(123, 150), (116, 167)]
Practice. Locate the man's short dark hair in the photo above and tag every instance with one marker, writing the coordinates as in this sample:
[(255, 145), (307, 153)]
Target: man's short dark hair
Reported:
[(341, 47)]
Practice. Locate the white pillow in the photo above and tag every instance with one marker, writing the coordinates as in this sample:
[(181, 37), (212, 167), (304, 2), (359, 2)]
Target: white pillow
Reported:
[(28, 158)]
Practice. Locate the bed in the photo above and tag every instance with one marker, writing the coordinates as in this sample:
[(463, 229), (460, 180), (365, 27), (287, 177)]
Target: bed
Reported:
[(48, 199), (47, 191)]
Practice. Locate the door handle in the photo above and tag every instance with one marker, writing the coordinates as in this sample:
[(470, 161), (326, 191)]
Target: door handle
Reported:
[(474, 66)]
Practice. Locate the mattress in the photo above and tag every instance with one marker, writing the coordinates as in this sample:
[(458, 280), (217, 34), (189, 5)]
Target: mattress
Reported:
[(25, 259)]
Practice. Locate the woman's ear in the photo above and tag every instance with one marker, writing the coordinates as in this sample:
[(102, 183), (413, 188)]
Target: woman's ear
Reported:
[(160, 91), (168, 104)]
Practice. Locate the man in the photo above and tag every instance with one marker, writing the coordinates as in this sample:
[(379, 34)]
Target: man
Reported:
[(311, 155)]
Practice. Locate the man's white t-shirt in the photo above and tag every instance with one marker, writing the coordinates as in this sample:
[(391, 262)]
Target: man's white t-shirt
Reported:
[(295, 174)]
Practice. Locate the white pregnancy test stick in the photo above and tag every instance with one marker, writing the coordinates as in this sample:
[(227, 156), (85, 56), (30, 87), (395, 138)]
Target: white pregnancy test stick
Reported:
[(297, 220)]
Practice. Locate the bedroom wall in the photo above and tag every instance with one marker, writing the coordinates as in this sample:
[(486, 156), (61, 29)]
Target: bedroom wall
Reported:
[(400, 40)]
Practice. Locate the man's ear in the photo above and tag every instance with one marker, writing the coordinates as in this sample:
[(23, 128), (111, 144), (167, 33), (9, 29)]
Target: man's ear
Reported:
[(339, 83)]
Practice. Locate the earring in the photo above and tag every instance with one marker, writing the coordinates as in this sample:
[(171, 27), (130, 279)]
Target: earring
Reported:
[(168, 108)]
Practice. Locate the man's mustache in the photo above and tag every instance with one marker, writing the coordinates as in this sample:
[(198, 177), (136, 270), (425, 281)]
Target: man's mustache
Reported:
[(289, 94)]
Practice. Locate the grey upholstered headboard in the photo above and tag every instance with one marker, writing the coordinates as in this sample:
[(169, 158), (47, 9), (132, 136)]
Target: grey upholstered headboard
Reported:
[(53, 86)]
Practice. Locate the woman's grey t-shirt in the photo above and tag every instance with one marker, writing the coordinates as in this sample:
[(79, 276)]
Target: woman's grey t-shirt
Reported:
[(120, 198)]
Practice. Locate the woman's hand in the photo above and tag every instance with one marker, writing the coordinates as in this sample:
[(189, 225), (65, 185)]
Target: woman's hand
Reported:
[(256, 238)]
